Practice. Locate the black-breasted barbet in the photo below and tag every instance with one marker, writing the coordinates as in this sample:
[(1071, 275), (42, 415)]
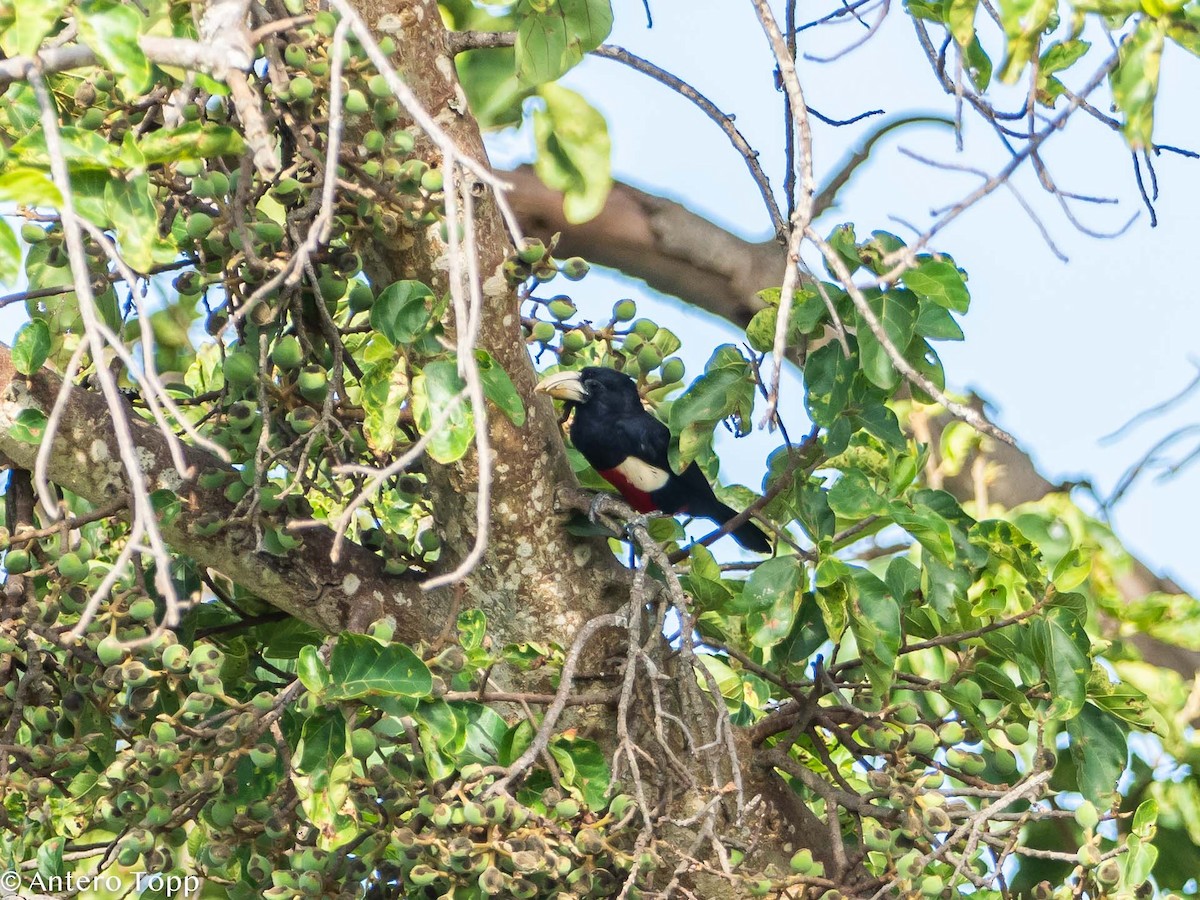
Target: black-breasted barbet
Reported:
[(628, 447)]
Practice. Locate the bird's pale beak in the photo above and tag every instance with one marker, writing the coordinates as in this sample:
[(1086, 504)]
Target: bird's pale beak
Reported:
[(563, 386)]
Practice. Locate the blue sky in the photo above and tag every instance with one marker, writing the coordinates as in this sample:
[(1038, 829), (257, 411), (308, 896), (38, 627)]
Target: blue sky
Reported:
[(1065, 352)]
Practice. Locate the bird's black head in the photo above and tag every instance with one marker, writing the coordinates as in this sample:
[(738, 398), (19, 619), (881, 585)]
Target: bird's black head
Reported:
[(594, 387)]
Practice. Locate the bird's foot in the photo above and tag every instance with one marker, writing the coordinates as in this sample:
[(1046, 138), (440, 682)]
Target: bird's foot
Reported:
[(595, 507), (634, 524)]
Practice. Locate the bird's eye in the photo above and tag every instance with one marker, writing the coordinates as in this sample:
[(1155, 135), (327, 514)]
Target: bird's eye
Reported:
[(591, 385)]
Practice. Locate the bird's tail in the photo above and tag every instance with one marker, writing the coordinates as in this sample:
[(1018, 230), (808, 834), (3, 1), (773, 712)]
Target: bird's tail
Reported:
[(747, 534)]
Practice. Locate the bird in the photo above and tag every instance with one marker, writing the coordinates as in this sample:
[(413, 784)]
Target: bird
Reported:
[(628, 447)]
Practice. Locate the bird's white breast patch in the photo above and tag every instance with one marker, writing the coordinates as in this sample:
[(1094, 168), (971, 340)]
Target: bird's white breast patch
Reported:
[(642, 475)]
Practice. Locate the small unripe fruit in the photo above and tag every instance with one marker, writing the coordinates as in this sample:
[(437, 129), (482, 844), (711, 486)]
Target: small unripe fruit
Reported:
[(362, 741), (287, 353), (361, 297), (356, 102), (32, 234), (542, 331), (624, 310), (951, 733), (240, 369), (242, 414), (802, 862), (1016, 732), (645, 329), (574, 340), (110, 651), (142, 609), (575, 268), (403, 141), (303, 419), (932, 885), (1086, 815), (922, 739), (566, 809), (71, 567), (672, 370), (199, 225), (301, 87), (17, 562), (531, 251), (313, 383), (1004, 763), (175, 659), (378, 86), (562, 308), (648, 357), (433, 181)]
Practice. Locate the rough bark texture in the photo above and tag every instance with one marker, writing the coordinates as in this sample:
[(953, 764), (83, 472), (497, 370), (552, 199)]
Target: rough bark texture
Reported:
[(536, 580)]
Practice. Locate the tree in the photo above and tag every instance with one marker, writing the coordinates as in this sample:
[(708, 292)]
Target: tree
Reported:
[(302, 593)]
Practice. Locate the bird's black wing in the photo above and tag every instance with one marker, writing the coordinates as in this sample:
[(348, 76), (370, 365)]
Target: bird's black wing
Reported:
[(644, 437)]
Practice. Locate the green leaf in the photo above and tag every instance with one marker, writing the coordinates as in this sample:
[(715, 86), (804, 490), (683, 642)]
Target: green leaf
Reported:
[(311, 670), (484, 731), (1072, 570), (401, 312), (111, 30), (574, 152), (807, 634), (50, 857), (960, 18), (385, 390), (828, 375), (1099, 752), (435, 390), (808, 313), (772, 595), (130, 207), (493, 90), (83, 150), (34, 20), (1134, 81), (897, 315), (833, 595), (29, 187), (498, 388), (29, 426), (554, 36), (322, 741), (584, 769), (360, 665), (936, 323), (1138, 862), (10, 254), (940, 282), (195, 140), (1061, 55), (929, 528), (852, 497), (875, 622), (978, 64), (1023, 21), (1064, 666), (1145, 819)]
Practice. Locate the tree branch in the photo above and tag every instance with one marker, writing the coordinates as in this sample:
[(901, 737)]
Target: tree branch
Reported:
[(84, 459)]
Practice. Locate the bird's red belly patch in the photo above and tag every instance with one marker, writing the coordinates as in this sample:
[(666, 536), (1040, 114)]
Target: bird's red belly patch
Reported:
[(634, 495)]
